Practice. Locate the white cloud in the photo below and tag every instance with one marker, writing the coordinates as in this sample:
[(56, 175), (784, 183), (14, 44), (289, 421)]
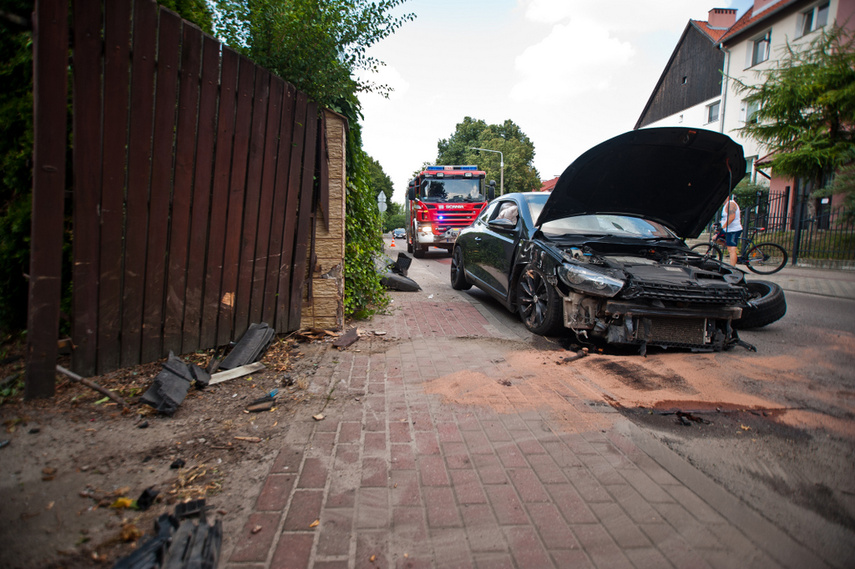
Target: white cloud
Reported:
[(553, 69)]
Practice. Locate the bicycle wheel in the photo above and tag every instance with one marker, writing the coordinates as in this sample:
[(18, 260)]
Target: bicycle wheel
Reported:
[(766, 258), (710, 250)]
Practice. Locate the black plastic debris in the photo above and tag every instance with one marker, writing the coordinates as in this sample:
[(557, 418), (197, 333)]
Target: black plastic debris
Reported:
[(251, 346), (172, 383), (147, 498), (151, 553), (396, 276), (182, 542), (265, 403), (177, 463)]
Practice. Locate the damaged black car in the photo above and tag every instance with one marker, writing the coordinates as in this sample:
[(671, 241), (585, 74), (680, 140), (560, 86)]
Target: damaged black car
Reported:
[(603, 255)]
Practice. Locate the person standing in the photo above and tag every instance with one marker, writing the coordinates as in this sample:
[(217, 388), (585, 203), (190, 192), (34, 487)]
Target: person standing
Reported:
[(732, 225)]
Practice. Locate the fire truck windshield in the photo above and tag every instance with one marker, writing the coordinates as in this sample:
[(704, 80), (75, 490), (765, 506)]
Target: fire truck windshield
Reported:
[(452, 190)]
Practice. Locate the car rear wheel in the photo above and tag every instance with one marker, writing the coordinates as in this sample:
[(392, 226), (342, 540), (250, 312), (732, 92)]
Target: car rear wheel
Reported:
[(766, 305), (538, 303), (458, 276)]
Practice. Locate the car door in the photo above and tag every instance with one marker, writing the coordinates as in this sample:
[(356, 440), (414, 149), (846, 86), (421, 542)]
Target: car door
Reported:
[(498, 241), (470, 241)]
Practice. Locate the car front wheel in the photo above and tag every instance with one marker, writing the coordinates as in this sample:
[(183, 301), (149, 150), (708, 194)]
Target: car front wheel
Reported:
[(538, 303), (458, 277)]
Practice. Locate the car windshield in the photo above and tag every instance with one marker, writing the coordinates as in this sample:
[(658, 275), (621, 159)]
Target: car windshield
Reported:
[(606, 224), (452, 190)]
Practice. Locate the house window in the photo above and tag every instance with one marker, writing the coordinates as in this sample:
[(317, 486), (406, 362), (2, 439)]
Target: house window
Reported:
[(760, 53), (749, 112), (712, 112), (813, 19)]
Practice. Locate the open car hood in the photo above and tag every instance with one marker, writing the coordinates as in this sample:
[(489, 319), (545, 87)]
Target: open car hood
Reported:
[(675, 176)]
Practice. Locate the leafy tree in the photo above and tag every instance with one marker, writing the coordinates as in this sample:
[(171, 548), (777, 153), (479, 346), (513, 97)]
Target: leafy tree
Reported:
[(197, 11), (319, 47), (807, 111), (16, 147), (381, 182), (508, 138), (393, 221)]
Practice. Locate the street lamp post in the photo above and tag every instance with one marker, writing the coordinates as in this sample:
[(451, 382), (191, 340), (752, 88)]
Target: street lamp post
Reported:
[(501, 165)]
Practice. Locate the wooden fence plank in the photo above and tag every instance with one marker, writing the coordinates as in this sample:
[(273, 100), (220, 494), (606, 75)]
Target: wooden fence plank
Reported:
[(237, 194), (87, 183), (117, 32), (220, 198), (290, 229), (166, 92), (50, 54), (253, 194), (279, 208), (207, 132), (139, 175), (185, 152), (307, 192), (265, 204)]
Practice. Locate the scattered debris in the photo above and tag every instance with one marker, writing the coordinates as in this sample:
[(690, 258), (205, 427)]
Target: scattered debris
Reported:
[(347, 339), (241, 371), (578, 355), (257, 529), (147, 498), (318, 417), (91, 385), (252, 345), (171, 385), (505, 382), (177, 463), (265, 403), (249, 439), (395, 277), (181, 541), (315, 524), (4, 442)]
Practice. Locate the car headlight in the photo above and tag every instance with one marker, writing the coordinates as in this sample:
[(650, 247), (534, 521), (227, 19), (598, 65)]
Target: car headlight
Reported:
[(593, 282)]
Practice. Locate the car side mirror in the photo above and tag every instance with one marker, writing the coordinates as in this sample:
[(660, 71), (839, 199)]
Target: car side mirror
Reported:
[(411, 193), (502, 224)]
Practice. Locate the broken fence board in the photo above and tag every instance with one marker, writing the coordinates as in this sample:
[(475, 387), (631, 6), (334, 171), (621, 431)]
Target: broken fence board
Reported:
[(236, 372)]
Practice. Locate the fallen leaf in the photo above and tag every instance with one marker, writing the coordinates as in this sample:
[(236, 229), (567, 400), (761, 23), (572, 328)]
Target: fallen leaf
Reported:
[(372, 558), (122, 503), (744, 428), (315, 524)]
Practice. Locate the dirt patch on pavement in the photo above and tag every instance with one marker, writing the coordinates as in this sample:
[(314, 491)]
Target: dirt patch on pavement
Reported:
[(70, 460)]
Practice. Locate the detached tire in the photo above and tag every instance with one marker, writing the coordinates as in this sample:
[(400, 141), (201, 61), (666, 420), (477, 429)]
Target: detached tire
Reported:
[(766, 305)]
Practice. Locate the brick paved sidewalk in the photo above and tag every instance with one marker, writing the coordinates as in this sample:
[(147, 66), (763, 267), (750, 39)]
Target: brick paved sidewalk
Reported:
[(541, 473)]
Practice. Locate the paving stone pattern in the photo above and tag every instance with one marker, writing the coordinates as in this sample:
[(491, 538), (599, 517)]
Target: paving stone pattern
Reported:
[(399, 477)]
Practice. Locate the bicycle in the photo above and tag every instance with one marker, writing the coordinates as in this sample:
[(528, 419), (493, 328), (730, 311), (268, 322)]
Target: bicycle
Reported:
[(761, 258)]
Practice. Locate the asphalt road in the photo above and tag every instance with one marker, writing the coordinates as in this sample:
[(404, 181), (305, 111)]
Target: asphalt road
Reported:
[(776, 428)]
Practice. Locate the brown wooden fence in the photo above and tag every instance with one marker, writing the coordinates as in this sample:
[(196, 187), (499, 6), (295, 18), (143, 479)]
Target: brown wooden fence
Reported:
[(195, 188)]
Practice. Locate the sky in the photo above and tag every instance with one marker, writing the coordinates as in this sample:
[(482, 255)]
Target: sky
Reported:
[(569, 73)]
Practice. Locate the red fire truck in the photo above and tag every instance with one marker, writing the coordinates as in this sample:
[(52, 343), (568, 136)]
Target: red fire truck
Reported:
[(441, 201)]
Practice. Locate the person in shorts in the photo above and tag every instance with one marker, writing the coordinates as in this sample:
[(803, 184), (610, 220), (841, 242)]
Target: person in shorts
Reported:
[(732, 227)]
